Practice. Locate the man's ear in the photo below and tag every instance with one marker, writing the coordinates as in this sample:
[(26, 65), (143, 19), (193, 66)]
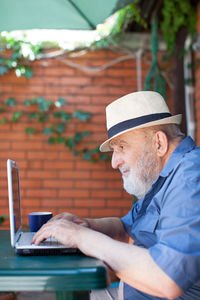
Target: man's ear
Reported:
[(161, 143)]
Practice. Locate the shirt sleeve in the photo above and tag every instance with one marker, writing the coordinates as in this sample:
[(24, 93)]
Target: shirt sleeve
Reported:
[(177, 250), (128, 222)]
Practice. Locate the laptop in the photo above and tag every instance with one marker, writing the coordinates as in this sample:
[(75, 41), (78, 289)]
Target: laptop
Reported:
[(21, 241)]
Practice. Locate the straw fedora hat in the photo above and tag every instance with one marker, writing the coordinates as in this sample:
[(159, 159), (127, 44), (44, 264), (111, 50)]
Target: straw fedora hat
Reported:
[(136, 110)]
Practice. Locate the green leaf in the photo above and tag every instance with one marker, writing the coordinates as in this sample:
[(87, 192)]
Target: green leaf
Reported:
[(16, 116), (66, 116), (60, 102), (3, 70), (39, 100), (61, 139), (60, 128), (87, 156), (58, 114), (10, 101), (77, 137), (45, 105), (76, 153), (62, 115), (48, 130), (103, 156), (3, 218), (24, 71), (34, 115), (83, 116), (95, 151), (2, 109), (30, 131), (86, 133), (51, 140), (4, 120), (29, 102), (43, 118), (70, 143)]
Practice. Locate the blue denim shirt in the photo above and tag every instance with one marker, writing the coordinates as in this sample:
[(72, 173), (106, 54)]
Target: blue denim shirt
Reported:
[(167, 222)]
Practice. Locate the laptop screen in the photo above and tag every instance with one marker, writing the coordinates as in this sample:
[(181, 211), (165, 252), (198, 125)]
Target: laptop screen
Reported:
[(16, 199)]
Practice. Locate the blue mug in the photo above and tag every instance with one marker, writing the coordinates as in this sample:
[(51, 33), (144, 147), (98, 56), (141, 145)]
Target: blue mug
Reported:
[(37, 219)]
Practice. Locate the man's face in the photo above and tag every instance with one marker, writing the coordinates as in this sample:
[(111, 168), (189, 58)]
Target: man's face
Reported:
[(134, 156)]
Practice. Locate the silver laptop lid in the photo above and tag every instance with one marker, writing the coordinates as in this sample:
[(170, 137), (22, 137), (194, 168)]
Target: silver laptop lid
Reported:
[(14, 200)]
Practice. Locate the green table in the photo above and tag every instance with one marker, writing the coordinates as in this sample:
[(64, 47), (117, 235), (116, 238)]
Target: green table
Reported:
[(69, 276)]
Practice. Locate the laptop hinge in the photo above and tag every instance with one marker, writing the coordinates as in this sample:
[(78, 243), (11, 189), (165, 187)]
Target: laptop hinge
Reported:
[(19, 236)]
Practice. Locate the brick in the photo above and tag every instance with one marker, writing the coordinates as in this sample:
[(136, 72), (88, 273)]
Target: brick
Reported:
[(93, 109), (89, 203), (3, 200), (106, 194), (53, 71), (78, 99), (52, 155), (107, 174), (57, 165), (41, 174), (108, 81), (3, 183), (106, 212), (75, 81), (82, 212), (35, 164), (122, 72), (120, 91), (5, 145), (105, 100), (94, 90), (41, 193), (28, 202), (118, 184), (26, 145), (51, 203), (58, 183), (118, 203), (10, 136), (25, 183), (89, 166), (81, 193), (15, 155), (90, 184), (74, 174)]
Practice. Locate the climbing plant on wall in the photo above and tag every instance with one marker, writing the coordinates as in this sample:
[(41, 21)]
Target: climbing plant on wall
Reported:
[(54, 120)]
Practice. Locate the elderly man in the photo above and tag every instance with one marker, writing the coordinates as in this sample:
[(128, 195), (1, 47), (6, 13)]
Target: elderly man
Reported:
[(162, 169)]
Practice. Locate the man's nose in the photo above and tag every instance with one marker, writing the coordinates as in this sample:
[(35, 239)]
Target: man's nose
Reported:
[(117, 160)]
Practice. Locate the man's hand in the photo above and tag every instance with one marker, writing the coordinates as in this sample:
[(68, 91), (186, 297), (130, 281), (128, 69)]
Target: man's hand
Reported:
[(60, 228), (70, 217)]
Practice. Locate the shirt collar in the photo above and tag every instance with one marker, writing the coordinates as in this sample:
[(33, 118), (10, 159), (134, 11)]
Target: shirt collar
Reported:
[(185, 146)]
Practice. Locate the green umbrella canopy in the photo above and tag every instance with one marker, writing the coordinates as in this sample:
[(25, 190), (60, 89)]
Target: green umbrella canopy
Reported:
[(56, 14)]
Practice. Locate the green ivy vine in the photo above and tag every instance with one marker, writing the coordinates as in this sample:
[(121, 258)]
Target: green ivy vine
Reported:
[(109, 33), (54, 121), (177, 13)]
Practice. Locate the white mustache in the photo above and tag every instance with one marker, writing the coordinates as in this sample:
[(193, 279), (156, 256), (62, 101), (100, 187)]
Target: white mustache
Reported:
[(124, 169)]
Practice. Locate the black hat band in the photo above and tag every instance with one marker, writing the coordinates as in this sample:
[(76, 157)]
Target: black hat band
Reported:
[(131, 123)]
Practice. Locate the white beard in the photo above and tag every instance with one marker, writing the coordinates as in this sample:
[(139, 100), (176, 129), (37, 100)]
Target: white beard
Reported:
[(141, 177), (133, 184)]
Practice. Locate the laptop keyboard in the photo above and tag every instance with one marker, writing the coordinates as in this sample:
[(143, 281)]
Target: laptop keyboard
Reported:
[(26, 238)]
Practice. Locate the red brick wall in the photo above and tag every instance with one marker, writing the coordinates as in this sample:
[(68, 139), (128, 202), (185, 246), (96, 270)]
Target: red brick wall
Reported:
[(51, 177)]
